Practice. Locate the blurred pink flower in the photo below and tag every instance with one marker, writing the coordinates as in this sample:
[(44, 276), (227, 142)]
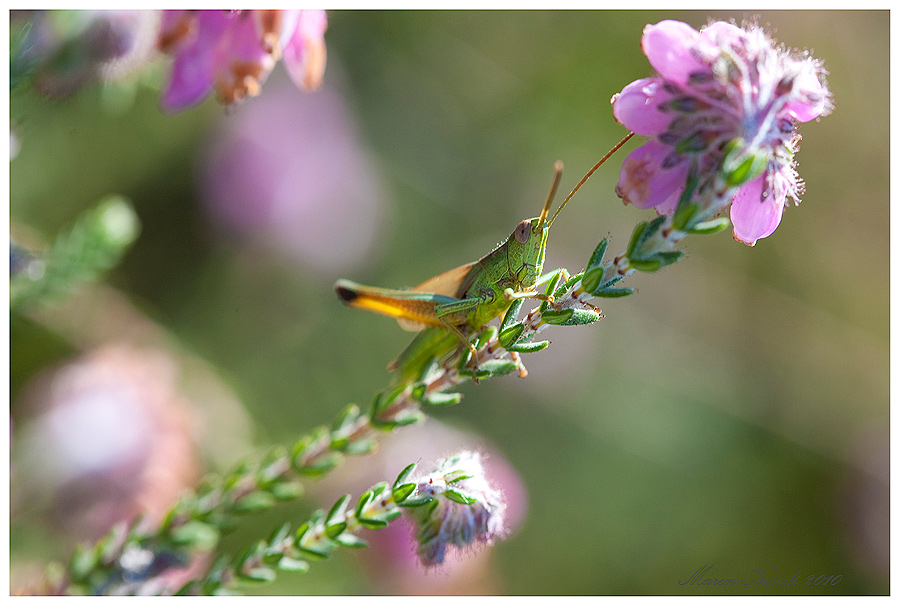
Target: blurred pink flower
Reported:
[(110, 439), (722, 114), (234, 52), (289, 169)]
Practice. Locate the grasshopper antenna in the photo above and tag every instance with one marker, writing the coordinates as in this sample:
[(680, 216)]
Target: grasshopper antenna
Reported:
[(558, 167), (588, 175)]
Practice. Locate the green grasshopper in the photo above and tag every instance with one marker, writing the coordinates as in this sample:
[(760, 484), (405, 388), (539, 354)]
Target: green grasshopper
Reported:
[(460, 302)]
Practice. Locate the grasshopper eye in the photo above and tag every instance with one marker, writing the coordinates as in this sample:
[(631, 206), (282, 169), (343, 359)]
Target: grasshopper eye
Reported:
[(522, 231)]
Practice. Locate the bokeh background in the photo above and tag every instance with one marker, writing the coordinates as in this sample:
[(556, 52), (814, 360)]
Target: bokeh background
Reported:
[(733, 412)]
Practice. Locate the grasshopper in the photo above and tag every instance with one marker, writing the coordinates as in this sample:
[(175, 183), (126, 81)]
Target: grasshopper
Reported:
[(460, 302)]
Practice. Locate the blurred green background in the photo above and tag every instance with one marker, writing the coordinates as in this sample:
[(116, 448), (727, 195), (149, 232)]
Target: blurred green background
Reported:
[(733, 412)]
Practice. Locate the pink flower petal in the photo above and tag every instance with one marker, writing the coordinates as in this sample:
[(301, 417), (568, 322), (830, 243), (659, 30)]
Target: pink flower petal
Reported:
[(304, 54), (669, 48), (716, 36), (275, 28), (644, 182), (754, 215), (241, 62), (192, 72), (637, 107), (813, 97)]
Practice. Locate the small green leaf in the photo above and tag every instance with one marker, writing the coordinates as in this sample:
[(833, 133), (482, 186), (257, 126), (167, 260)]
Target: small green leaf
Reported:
[(409, 417), (254, 502), (590, 281), (206, 503), (596, 260), (511, 334), (338, 509), (497, 367), (684, 201), (653, 227), (271, 558), (282, 533), (442, 399), (391, 515), (683, 215), (360, 447), (667, 257), (272, 466), (384, 399), (260, 574), (417, 501), (557, 317), (198, 535), (739, 169), (479, 374), (340, 443), (401, 492), (711, 227), (323, 464), (648, 265), (529, 347), (363, 502), (511, 314), (237, 476), (293, 565), (581, 317), (350, 540), (322, 549), (404, 475), (485, 335), (286, 491), (463, 358), (458, 497), (454, 479), (613, 280), (635, 237), (552, 284), (418, 391), (109, 546), (614, 292), (372, 523), (382, 425), (641, 235), (347, 417), (319, 436), (82, 563), (333, 530)]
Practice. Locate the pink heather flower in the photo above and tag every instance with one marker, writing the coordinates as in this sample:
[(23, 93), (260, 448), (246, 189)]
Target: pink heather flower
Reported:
[(464, 510), (110, 439), (234, 52), (722, 117)]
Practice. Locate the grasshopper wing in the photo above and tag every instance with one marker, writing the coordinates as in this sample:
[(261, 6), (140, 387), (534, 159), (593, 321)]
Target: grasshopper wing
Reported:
[(453, 283)]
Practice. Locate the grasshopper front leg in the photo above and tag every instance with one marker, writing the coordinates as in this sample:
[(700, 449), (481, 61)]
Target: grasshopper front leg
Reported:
[(553, 277)]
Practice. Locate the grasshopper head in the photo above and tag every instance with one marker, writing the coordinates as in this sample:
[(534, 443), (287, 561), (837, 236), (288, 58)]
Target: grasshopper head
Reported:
[(528, 242), (526, 247)]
